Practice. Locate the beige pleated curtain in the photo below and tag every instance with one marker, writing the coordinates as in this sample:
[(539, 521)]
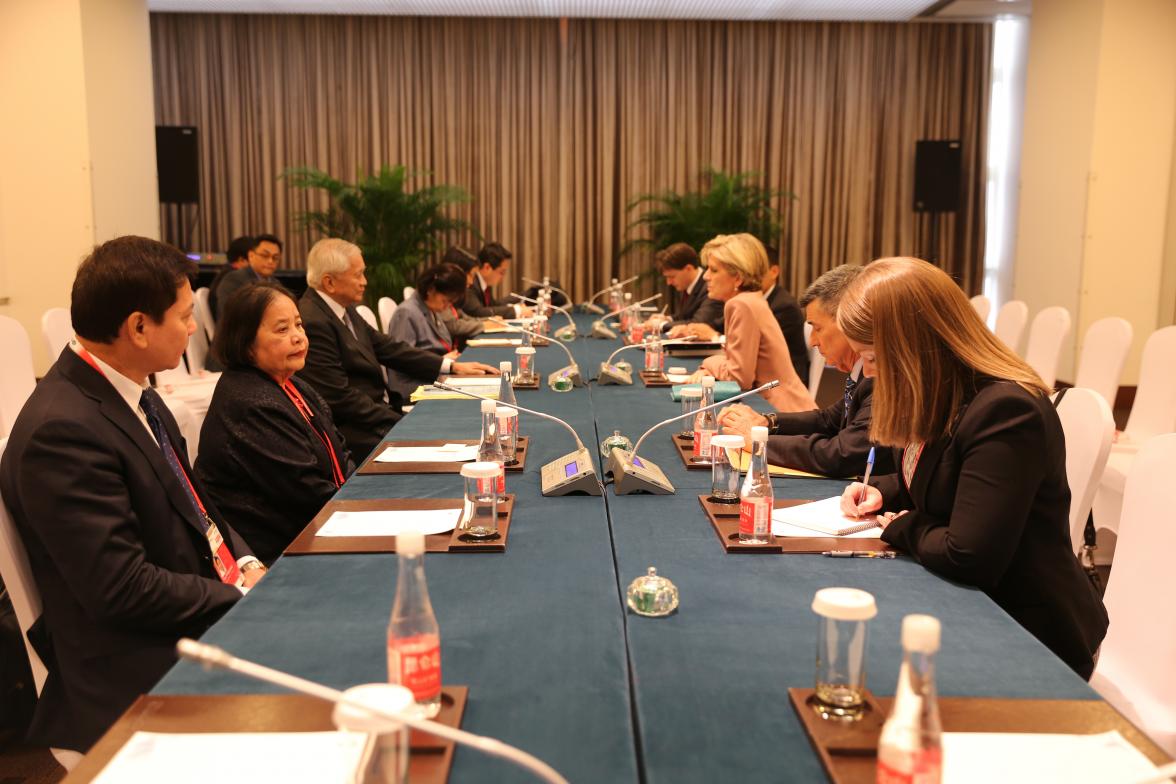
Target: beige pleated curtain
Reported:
[(553, 126)]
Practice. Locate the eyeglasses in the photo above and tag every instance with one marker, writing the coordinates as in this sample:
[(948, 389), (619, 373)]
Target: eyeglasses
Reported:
[(265, 255)]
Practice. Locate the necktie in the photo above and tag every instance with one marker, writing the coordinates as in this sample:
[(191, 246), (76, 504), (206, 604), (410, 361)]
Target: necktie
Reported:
[(486, 296), (850, 386), (350, 324)]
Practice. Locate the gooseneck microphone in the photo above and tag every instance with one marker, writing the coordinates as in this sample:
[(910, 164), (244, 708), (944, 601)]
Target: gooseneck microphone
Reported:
[(571, 370), (612, 286), (548, 285), (210, 656), (564, 311)]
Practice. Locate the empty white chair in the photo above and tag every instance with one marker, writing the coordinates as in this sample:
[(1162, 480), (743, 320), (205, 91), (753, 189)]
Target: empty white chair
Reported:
[(1050, 327), (198, 346), (1104, 352), (1010, 323), (816, 362), (982, 306), (1089, 428), (408, 291), (18, 578), (368, 316), (1134, 671), (204, 311), (387, 306), (18, 377), (57, 329)]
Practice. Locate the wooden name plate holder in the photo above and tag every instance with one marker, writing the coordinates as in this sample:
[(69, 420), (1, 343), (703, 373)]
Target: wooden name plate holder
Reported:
[(654, 378), (849, 749), (371, 467), (455, 541), (531, 385), (685, 449), (724, 519), (429, 761)]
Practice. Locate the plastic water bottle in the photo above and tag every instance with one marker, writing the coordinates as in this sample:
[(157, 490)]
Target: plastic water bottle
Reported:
[(909, 748), (626, 313), (705, 423), (614, 297), (506, 395), (414, 639), (490, 449), (654, 356), (755, 497)]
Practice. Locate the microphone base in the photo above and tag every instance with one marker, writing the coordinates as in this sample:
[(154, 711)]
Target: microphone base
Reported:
[(632, 474), (589, 307), (611, 374), (567, 333), (599, 330), (572, 473), (570, 371)]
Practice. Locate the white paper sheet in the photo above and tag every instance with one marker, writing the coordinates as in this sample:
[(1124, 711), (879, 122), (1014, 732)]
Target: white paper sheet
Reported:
[(1016, 758), (289, 757), (390, 522), (449, 453), (474, 383), (492, 342), (819, 517)]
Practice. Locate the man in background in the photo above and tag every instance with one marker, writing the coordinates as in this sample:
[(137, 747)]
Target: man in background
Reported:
[(680, 267), (493, 263), (264, 258), (236, 257), (788, 316)]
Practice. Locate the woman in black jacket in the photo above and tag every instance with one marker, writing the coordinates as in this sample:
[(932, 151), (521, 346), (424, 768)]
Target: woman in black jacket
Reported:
[(981, 495), (270, 455)]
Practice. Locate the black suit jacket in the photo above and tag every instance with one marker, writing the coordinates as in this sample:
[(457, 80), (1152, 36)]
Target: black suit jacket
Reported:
[(263, 464), (475, 303), (791, 320), (230, 284), (115, 546), (989, 506), (833, 441), (697, 307), (345, 370)]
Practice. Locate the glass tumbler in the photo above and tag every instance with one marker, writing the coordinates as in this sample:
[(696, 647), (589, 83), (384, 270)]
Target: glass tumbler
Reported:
[(388, 749), (525, 362), (844, 615), (479, 518), (508, 432), (724, 475), (691, 400), (654, 356)]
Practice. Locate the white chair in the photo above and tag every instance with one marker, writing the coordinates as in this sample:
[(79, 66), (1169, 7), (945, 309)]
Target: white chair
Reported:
[(408, 291), (983, 306), (386, 306), (1104, 352), (1050, 327), (816, 362), (1135, 671), (198, 346), (1010, 323), (1089, 427), (368, 316), (57, 329), (18, 378), (204, 311)]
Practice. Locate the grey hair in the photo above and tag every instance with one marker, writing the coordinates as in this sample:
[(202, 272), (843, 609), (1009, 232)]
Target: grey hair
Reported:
[(829, 287), (328, 257)]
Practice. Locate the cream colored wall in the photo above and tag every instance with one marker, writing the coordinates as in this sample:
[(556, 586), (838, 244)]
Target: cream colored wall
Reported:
[(1097, 163), (77, 147), (1167, 311)]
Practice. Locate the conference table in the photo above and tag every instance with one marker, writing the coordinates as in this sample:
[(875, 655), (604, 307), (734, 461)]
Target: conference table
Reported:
[(554, 661)]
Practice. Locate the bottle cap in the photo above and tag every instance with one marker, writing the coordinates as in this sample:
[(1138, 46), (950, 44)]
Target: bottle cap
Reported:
[(488, 406), (708, 381), (386, 697), (524, 350), (410, 543), (920, 633), (504, 365), (759, 433), (479, 471), (691, 392), (505, 412), (628, 295), (727, 441), (845, 604)]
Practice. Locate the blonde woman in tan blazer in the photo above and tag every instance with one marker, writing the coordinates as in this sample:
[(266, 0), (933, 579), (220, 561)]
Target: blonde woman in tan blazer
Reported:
[(756, 351)]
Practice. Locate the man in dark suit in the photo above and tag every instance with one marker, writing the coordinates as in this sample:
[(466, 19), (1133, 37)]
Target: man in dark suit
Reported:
[(236, 257), (346, 357), (493, 262), (127, 549), (833, 441), (689, 303), (264, 255), (788, 316)]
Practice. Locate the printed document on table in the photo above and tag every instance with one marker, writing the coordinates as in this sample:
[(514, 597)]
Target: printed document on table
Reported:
[(493, 342), (1025, 758), (390, 522), (448, 453), (289, 757), (822, 518)]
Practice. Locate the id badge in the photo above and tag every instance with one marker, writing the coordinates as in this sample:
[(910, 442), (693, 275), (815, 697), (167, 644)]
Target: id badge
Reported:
[(222, 560)]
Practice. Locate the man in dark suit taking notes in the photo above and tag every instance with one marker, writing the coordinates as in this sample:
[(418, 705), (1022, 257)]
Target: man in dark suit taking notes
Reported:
[(126, 547)]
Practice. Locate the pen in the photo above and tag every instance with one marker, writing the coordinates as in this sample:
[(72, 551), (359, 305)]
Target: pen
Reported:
[(859, 553), (866, 478)]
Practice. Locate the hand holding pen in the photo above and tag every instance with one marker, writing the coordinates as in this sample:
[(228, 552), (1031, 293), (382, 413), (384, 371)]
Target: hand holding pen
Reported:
[(860, 499)]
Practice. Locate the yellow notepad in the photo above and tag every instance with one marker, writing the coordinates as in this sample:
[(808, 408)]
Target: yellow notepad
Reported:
[(774, 470)]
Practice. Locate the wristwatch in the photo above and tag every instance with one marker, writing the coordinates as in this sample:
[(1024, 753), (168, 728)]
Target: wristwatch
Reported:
[(771, 417), (251, 565)]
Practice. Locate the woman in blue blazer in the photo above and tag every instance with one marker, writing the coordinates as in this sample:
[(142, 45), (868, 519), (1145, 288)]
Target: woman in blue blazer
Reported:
[(417, 321)]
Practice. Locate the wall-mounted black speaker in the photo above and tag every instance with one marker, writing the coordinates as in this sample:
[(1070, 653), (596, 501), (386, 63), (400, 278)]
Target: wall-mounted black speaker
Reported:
[(177, 162), (937, 176)]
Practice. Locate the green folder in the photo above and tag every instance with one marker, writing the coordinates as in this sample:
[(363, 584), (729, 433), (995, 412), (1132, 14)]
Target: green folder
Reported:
[(723, 390)]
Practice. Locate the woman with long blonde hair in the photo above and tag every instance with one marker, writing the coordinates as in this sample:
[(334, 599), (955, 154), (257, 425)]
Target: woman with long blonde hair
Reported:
[(981, 495)]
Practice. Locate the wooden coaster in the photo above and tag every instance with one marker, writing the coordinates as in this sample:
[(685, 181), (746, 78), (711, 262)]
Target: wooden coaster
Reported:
[(455, 541), (533, 385), (848, 749), (429, 762), (724, 519), (372, 468), (655, 378), (685, 449)]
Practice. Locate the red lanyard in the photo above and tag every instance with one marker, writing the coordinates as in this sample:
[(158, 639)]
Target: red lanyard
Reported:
[(300, 404)]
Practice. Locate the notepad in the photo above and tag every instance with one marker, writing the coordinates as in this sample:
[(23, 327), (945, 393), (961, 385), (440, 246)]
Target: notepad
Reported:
[(1021, 758), (390, 522), (823, 517), (291, 757), (743, 460), (447, 453), (494, 342)]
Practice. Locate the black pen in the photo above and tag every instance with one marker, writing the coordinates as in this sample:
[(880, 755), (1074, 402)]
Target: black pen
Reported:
[(859, 553)]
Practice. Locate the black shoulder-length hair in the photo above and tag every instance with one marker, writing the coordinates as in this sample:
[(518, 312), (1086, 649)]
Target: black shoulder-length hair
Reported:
[(237, 329)]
